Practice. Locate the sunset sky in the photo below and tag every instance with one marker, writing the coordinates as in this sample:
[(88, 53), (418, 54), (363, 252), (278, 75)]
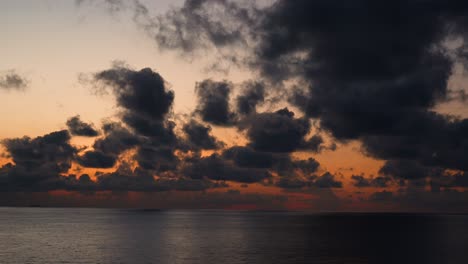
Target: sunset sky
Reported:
[(296, 105)]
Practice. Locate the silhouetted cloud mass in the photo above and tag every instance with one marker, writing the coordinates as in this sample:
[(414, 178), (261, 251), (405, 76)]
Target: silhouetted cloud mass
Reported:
[(199, 136), (253, 94), (142, 93), (213, 102), (39, 163), (215, 168), (379, 181), (371, 72), (327, 180), (146, 104), (278, 131), (365, 71), (279, 163), (80, 128), (97, 159), (116, 140)]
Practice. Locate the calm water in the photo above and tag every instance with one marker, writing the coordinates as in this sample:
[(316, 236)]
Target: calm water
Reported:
[(52, 235)]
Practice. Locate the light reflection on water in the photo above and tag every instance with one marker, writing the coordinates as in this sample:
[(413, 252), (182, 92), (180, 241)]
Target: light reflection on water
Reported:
[(72, 235)]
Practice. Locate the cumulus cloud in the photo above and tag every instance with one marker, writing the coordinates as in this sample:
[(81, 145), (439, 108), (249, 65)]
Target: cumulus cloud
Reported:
[(311, 183), (116, 140), (366, 73), (459, 180), (404, 169), (39, 163), (145, 133), (216, 168), (143, 94), (291, 183), (80, 128), (381, 196), (327, 180), (199, 136), (279, 163), (253, 94), (11, 80), (277, 131), (146, 103), (97, 159), (380, 181), (213, 102)]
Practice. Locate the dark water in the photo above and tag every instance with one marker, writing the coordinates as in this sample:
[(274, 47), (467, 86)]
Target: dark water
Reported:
[(49, 235)]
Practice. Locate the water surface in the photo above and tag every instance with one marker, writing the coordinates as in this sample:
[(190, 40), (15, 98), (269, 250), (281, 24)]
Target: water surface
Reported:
[(78, 235)]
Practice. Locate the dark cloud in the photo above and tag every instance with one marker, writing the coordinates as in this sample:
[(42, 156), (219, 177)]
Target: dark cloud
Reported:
[(459, 179), (253, 94), (80, 128), (216, 168), (142, 93), (38, 162), (404, 169), (33, 153), (116, 140), (97, 159), (306, 167), (279, 131), (379, 181), (213, 102), (371, 72), (125, 179), (248, 158), (200, 136), (152, 156), (433, 140), (279, 163), (372, 77), (83, 183), (310, 183), (291, 183), (381, 196), (13, 81), (315, 143), (146, 104), (327, 180)]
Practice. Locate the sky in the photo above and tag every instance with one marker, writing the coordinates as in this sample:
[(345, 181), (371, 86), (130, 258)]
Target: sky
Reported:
[(288, 105)]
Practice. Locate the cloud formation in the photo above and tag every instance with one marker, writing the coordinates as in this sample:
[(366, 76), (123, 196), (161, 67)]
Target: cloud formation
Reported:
[(253, 94), (380, 181), (361, 71), (199, 136), (39, 163), (80, 128), (146, 104), (213, 102), (11, 80), (367, 73), (279, 131)]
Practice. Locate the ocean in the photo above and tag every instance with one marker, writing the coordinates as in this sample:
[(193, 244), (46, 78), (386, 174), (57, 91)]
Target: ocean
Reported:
[(83, 235)]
